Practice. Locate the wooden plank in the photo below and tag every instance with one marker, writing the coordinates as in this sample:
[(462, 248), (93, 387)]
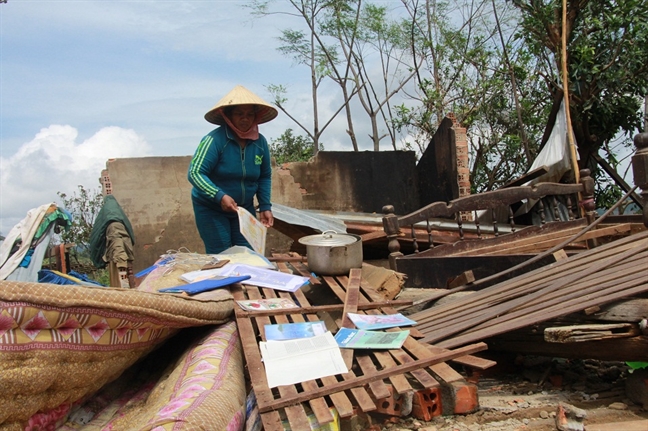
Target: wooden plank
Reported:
[(517, 307), (510, 241), (362, 397), (378, 388), (314, 309), (626, 289), (590, 332), (382, 374), (543, 244), (457, 248), (464, 278), (350, 306), (296, 415), (497, 310), (469, 361), (272, 421), (521, 285), (251, 352), (628, 310)]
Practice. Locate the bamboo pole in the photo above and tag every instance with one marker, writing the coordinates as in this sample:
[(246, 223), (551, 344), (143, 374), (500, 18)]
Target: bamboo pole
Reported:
[(565, 82)]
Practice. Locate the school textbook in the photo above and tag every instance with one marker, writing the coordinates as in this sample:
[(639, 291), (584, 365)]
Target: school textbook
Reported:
[(359, 339), (379, 321), (291, 331)]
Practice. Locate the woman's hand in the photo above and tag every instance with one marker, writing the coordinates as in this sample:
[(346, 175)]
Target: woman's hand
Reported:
[(228, 204), (267, 218)]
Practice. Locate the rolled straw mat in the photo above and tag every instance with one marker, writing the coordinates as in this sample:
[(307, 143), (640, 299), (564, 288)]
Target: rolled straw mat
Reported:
[(60, 343)]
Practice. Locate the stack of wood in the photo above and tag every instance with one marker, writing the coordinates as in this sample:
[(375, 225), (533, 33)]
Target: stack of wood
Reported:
[(582, 283)]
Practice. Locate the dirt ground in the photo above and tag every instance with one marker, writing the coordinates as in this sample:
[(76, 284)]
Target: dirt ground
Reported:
[(523, 395)]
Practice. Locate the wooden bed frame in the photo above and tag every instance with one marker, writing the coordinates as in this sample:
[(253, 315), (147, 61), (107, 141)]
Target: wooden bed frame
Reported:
[(486, 253)]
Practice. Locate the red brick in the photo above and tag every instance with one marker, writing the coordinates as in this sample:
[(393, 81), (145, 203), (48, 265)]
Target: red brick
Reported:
[(391, 405), (465, 397), (426, 404)]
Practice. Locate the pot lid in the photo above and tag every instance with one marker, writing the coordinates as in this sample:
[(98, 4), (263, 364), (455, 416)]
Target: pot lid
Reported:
[(328, 238)]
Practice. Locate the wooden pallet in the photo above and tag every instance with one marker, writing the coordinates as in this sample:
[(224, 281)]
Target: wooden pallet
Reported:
[(374, 376)]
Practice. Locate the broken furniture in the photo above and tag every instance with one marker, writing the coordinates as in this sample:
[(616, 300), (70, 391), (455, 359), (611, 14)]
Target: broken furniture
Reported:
[(414, 379), (491, 253)]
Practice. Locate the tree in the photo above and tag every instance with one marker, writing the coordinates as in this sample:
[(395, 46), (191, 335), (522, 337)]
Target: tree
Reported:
[(308, 49), (607, 47), (341, 36), (608, 73), (289, 148), (84, 208)]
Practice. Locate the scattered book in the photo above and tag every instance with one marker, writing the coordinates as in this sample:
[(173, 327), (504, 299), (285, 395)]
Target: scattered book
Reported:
[(290, 331), (360, 339), (204, 285), (294, 361), (379, 321), (265, 277), (266, 304)]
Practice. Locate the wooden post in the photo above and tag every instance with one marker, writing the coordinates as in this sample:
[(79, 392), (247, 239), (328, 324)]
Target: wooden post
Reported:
[(392, 230)]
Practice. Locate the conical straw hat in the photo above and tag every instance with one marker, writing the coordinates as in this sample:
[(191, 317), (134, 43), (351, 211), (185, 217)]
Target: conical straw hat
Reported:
[(241, 96)]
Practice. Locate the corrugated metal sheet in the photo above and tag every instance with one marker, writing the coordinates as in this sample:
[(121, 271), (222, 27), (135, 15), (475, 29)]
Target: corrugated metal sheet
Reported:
[(315, 220)]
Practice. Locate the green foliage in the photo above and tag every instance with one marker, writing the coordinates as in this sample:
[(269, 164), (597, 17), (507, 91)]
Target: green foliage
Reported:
[(608, 72), (84, 205), (290, 148)]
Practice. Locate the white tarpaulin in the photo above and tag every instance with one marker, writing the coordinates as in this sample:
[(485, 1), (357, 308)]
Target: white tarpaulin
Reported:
[(555, 156)]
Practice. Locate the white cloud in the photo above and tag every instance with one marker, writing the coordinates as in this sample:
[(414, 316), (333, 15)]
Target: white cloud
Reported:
[(55, 162)]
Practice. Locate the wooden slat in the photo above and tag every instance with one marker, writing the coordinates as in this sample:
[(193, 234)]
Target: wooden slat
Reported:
[(399, 382), (624, 290), (520, 285), (350, 306), (272, 421), (573, 294), (378, 388), (295, 414), (558, 284), (401, 369), (251, 352), (341, 402), (543, 244)]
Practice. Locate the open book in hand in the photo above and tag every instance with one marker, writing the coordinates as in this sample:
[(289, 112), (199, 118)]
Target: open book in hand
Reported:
[(359, 339)]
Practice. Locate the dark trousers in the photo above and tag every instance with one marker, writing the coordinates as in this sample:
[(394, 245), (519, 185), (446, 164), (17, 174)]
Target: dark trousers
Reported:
[(219, 230)]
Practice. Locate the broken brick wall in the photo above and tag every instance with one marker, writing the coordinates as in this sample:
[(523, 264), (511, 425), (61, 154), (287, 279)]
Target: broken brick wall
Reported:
[(156, 196)]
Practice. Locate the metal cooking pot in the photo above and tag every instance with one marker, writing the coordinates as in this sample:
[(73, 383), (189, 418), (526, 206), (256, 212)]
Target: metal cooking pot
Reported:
[(332, 253)]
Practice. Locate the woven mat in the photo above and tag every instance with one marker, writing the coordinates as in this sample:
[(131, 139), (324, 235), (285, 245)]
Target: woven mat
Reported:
[(59, 344)]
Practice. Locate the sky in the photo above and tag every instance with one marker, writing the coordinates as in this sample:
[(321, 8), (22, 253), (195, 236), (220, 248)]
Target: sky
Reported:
[(85, 81)]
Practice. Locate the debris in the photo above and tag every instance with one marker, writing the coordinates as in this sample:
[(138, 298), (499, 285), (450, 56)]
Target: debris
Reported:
[(569, 418)]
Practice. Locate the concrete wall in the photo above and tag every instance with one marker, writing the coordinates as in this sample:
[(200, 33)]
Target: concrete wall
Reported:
[(156, 196)]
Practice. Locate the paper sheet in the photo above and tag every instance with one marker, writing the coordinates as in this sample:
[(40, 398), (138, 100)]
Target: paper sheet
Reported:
[(295, 361), (253, 230)]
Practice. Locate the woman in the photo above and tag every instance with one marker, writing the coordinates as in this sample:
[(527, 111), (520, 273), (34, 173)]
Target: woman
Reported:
[(229, 168)]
